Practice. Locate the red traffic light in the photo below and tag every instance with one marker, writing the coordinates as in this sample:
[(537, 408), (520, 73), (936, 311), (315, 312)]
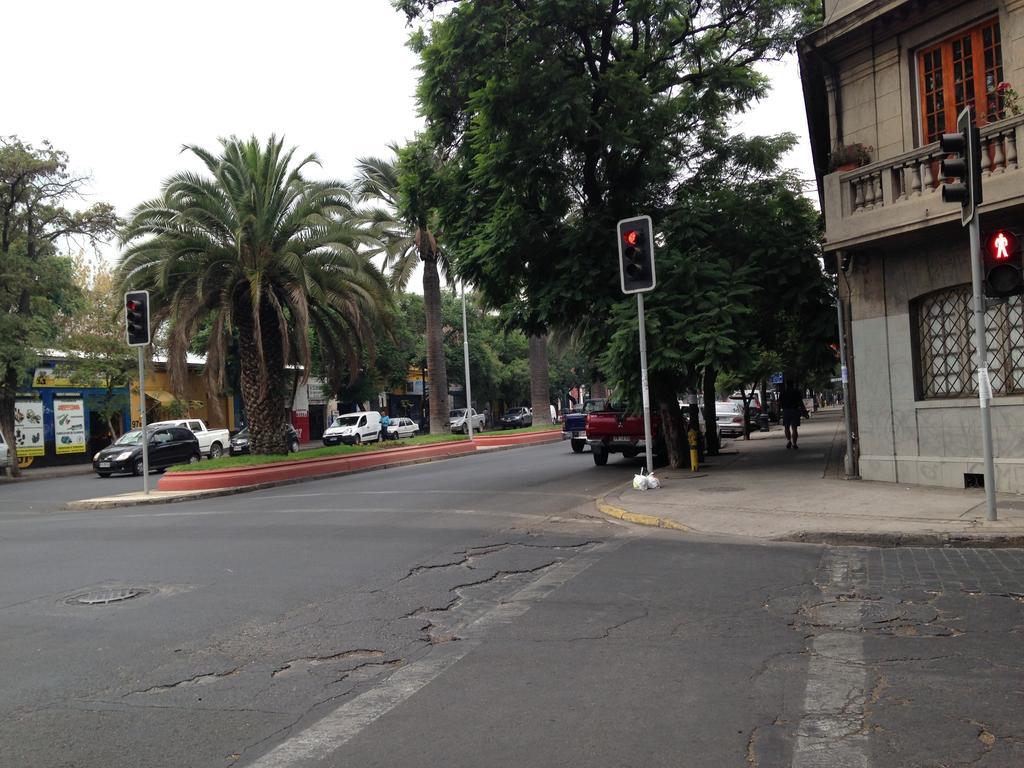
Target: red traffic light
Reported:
[(631, 236), (132, 305), (1001, 245)]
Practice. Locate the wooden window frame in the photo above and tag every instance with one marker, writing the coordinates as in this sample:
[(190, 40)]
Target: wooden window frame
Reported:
[(981, 92)]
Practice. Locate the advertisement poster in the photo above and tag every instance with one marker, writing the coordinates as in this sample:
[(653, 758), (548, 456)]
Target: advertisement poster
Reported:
[(69, 426), (28, 427)]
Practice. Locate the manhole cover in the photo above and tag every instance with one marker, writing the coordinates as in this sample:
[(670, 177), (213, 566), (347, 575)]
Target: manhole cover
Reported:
[(104, 596), (864, 613), (722, 489)]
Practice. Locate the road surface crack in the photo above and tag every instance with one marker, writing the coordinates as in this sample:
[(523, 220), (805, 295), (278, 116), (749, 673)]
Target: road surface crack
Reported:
[(312, 661), (203, 679)]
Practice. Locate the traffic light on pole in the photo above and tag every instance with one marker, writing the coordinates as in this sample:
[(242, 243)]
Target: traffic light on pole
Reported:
[(136, 318), (636, 254), (1004, 272), (965, 167)]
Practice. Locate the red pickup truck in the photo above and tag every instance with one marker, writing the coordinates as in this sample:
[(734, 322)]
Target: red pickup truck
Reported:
[(615, 431)]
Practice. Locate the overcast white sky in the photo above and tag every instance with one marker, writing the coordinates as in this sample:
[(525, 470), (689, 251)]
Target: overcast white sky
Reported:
[(122, 85)]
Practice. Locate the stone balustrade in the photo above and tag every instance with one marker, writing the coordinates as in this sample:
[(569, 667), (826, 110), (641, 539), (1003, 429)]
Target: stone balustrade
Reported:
[(903, 192)]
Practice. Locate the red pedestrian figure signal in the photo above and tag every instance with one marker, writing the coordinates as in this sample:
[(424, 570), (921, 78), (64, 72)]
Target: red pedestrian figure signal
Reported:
[(1002, 262), (632, 237)]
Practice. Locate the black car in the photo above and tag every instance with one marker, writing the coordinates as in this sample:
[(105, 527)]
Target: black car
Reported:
[(517, 417), (166, 445), (240, 442)]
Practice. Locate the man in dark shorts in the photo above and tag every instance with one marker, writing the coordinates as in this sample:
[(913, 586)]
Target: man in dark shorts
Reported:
[(792, 403)]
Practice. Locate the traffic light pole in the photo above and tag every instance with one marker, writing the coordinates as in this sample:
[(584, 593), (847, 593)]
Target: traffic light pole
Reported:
[(142, 414), (984, 385), (643, 384)]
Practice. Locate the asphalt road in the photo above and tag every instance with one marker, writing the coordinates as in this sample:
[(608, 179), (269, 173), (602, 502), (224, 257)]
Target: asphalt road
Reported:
[(476, 612)]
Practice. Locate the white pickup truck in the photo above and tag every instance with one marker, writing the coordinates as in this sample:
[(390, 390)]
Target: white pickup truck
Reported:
[(213, 443)]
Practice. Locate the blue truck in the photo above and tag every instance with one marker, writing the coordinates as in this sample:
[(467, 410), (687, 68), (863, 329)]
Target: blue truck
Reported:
[(574, 426)]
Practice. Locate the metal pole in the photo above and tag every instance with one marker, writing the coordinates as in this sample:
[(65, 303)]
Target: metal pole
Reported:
[(465, 354), (142, 413), (984, 385), (851, 474), (643, 383)]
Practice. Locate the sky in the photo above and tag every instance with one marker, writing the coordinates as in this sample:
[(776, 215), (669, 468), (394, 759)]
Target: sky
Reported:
[(121, 86)]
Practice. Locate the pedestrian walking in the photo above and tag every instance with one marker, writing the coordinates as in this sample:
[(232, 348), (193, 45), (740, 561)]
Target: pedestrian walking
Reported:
[(792, 404), (385, 422)]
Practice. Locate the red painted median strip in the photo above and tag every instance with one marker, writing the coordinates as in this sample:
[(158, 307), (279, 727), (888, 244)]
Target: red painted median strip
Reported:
[(202, 480)]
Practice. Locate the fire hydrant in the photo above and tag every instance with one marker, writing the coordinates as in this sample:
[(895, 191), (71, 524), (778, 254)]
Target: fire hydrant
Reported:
[(692, 435)]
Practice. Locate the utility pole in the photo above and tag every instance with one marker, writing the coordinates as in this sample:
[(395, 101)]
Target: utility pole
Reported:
[(851, 473), (465, 354)]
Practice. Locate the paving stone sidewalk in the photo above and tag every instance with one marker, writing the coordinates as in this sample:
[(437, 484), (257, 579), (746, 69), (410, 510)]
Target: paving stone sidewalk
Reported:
[(759, 489)]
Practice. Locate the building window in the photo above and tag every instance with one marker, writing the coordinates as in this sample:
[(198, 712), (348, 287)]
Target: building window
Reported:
[(945, 344), (961, 71)]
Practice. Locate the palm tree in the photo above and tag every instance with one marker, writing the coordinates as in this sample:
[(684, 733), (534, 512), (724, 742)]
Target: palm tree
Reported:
[(406, 230), (540, 382), (266, 256)]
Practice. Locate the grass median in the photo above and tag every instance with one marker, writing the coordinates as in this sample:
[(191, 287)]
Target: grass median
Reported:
[(250, 460)]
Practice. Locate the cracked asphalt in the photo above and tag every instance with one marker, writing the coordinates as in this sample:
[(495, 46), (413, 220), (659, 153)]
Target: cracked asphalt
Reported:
[(479, 612)]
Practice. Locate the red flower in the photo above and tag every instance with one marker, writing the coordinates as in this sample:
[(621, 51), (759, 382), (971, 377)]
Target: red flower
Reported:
[(1003, 87)]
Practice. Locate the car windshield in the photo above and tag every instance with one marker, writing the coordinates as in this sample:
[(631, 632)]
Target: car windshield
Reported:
[(129, 438), (345, 421), (457, 413), (243, 434)]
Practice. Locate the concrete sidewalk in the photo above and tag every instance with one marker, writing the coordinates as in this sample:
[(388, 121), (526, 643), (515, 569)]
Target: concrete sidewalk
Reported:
[(759, 489)]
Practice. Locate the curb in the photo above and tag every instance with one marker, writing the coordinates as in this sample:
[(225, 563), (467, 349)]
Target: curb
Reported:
[(179, 496), (633, 517), (895, 540)]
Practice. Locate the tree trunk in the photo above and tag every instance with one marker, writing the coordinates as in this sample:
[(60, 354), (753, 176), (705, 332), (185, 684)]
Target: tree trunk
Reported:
[(263, 386), (710, 420), (672, 429), (436, 369), (8, 393), (540, 387), (746, 397)]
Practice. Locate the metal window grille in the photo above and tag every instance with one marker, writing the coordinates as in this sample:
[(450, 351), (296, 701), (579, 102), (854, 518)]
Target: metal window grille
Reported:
[(945, 332)]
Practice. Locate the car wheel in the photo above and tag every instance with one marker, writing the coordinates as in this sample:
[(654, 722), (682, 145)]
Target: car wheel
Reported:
[(359, 439), (631, 453), (103, 474), (194, 458), (600, 456), (216, 451), (138, 468), (577, 445), (293, 446)]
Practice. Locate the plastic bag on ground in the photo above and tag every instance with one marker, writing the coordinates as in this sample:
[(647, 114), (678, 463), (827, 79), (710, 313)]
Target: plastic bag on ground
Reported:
[(640, 482), (653, 482)]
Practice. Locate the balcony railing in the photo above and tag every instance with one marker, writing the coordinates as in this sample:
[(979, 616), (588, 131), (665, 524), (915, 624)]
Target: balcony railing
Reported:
[(902, 192)]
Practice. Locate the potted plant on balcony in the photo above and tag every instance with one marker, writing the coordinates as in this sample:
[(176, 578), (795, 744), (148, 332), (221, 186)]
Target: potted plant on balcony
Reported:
[(846, 157), (1009, 100)]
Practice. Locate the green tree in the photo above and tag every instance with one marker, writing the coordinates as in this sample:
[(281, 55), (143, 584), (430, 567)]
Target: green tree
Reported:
[(406, 225), (257, 248), (36, 284), (559, 118), (94, 336)]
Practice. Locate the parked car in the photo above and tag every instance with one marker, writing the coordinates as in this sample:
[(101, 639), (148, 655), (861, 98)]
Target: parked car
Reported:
[(212, 442), (515, 418), (240, 442), (457, 421), (167, 446), (729, 418), (353, 428), (403, 427), (574, 425), (5, 455), (612, 430)]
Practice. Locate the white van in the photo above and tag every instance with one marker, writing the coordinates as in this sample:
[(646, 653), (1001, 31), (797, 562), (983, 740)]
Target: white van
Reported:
[(353, 428)]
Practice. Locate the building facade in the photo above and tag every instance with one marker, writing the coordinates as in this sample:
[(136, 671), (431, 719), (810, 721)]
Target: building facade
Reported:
[(883, 79)]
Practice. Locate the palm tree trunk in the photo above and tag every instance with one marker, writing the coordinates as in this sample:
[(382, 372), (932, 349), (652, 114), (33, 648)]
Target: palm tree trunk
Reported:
[(263, 385), (435, 347), (710, 420), (540, 388), (8, 391)]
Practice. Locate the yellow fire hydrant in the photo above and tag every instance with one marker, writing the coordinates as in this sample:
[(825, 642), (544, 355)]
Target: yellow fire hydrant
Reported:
[(693, 449)]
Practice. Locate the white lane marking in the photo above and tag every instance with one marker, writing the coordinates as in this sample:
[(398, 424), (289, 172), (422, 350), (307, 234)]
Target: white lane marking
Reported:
[(830, 734), (344, 723)]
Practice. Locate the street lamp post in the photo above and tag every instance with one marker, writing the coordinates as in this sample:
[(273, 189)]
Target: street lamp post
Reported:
[(465, 353)]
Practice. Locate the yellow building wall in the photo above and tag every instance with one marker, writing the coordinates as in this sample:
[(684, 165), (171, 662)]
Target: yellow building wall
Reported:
[(158, 390)]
